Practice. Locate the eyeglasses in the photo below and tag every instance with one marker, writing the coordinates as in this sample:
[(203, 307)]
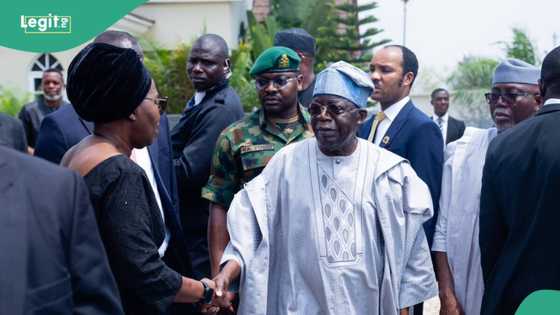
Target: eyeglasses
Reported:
[(510, 98), (279, 82), (161, 102), (315, 109)]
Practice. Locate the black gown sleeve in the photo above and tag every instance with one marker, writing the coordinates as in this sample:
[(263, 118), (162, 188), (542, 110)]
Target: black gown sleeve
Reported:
[(128, 223)]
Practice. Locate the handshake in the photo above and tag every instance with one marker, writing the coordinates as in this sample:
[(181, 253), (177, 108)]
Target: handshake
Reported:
[(216, 296)]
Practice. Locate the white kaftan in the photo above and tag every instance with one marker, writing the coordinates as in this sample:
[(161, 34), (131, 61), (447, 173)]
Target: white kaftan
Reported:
[(457, 226), (320, 235)]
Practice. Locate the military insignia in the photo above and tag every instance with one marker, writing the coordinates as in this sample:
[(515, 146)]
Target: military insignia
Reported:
[(256, 147), (284, 61), (385, 140)]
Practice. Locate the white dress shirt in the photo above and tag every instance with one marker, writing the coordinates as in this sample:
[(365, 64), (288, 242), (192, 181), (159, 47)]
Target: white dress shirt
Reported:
[(390, 114), (552, 101), (443, 128), (142, 158), (198, 97)]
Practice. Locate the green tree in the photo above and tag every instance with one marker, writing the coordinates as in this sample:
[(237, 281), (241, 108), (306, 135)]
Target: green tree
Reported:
[(169, 70), (521, 47), (12, 100), (340, 38), (470, 80)]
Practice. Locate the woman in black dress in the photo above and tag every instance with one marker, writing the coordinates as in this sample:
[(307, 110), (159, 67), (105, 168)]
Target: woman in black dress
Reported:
[(111, 87)]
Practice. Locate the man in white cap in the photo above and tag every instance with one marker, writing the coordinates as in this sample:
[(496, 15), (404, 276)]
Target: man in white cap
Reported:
[(514, 97), (333, 224)]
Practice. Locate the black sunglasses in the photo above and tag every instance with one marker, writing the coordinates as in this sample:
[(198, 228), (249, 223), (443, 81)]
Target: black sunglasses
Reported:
[(510, 98)]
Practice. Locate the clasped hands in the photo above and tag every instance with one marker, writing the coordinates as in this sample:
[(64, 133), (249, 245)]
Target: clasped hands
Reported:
[(222, 299)]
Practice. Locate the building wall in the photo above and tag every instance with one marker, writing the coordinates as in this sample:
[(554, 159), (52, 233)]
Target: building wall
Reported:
[(183, 21), (172, 22)]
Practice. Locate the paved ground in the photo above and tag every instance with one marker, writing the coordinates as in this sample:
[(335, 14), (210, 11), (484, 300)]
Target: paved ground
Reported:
[(431, 307)]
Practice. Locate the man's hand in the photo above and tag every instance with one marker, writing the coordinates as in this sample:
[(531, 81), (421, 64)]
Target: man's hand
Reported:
[(209, 308), (222, 297), (449, 303)]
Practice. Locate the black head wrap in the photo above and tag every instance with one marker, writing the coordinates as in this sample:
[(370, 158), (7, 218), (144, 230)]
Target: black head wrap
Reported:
[(296, 39), (106, 82)]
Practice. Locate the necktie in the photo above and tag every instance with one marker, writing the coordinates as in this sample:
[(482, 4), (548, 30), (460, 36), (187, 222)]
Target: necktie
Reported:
[(380, 116), (440, 123)]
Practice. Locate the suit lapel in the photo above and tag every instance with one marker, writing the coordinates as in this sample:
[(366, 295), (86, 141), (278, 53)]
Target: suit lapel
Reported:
[(548, 109), (13, 231), (396, 126)]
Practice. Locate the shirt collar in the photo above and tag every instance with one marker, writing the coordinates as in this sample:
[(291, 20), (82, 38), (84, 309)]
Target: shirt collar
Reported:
[(552, 101), (392, 111), (444, 118)]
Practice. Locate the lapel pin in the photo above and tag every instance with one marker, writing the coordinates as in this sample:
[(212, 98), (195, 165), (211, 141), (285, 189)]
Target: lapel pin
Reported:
[(385, 139)]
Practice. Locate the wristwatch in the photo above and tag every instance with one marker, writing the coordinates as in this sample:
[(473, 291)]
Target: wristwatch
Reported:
[(207, 295)]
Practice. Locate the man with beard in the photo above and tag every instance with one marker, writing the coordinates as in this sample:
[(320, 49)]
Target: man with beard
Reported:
[(333, 224), (514, 97), (402, 128), (244, 148), (214, 106), (32, 114), (519, 200)]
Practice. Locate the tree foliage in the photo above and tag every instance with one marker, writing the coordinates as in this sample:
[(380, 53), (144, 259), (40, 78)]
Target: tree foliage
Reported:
[(169, 70), (12, 100), (521, 47), (470, 80), (346, 36)]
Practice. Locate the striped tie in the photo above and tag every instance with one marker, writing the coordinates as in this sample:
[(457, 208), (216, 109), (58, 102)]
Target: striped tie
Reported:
[(378, 118)]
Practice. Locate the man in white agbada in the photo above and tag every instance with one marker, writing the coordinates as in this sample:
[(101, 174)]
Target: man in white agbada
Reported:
[(513, 98), (333, 225)]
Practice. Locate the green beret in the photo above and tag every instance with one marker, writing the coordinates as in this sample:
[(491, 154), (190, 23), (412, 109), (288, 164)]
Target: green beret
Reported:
[(276, 59)]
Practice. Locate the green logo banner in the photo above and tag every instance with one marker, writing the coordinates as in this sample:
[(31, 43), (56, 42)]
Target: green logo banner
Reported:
[(56, 25), (540, 302)]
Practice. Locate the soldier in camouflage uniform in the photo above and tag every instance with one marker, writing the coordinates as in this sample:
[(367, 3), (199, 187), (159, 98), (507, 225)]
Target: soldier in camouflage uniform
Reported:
[(245, 147)]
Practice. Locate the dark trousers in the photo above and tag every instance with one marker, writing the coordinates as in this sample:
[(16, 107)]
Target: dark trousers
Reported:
[(418, 309), (200, 258)]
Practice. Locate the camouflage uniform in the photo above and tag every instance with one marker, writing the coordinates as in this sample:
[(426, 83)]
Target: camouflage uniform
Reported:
[(244, 149)]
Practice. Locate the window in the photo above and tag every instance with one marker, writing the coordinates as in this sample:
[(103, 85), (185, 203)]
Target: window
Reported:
[(41, 63)]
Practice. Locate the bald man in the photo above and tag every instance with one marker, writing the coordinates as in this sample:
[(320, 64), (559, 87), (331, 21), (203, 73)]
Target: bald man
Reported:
[(214, 106)]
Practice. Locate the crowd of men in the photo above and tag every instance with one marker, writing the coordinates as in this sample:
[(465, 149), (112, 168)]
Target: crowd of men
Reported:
[(308, 205)]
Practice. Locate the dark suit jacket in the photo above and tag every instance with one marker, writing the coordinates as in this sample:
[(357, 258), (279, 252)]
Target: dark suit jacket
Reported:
[(12, 133), (60, 131), (519, 212), (415, 137), (455, 129), (64, 128), (53, 260), (193, 140)]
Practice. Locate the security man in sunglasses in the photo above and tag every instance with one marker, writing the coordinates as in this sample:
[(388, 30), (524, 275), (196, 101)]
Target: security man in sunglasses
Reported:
[(245, 147), (514, 97)]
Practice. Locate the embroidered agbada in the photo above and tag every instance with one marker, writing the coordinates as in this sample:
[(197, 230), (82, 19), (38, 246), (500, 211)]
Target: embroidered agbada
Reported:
[(457, 229), (315, 234)]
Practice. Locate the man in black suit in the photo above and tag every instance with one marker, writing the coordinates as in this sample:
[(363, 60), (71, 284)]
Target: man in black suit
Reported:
[(12, 133), (519, 210), (214, 106), (53, 260), (451, 128)]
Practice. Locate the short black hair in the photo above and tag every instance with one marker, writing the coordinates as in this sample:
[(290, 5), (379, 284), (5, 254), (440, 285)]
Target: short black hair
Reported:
[(217, 40), (550, 72), (409, 63), (436, 91), (116, 38), (55, 70)]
